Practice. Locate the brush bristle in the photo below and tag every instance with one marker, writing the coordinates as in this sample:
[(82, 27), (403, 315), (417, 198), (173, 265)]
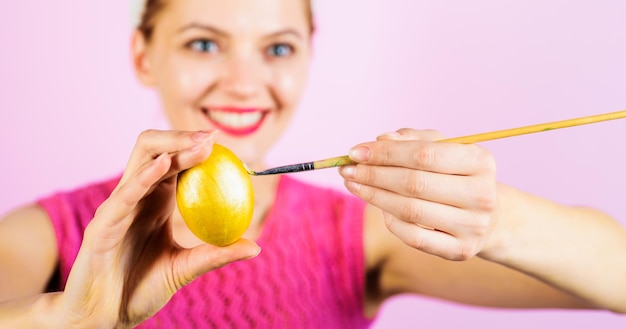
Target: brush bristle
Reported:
[(250, 172)]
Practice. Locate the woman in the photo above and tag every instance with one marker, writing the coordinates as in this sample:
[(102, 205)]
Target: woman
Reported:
[(436, 222)]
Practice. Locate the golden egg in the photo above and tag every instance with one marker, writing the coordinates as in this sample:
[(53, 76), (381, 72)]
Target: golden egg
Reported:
[(216, 198)]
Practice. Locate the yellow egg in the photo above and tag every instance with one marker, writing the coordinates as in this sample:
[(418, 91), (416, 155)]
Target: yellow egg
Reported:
[(215, 198)]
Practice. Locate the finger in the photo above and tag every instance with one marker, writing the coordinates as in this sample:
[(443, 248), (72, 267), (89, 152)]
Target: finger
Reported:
[(455, 190), (113, 217), (194, 262), (452, 220), (407, 134), (186, 149), (151, 143), (447, 158), (428, 240), (188, 158)]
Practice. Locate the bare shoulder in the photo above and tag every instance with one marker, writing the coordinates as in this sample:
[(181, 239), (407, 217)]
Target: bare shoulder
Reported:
[(394, 267), (28, 252), (388, 256), (386, 259), (377, 239)]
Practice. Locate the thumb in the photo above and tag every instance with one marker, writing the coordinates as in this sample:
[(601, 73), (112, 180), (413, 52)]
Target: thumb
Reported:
[(205, 258)]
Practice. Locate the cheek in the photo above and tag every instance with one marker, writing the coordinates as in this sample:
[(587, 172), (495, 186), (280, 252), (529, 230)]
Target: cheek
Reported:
[(288, 83), (181, 86), (185, 81)]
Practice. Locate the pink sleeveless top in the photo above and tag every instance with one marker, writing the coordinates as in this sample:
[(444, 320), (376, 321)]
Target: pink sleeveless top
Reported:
[(310, 273)]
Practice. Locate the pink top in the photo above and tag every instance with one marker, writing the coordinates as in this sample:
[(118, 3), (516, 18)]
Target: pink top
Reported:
[(310, 273)]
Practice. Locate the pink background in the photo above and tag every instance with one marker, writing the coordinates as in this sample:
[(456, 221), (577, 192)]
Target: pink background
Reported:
[(71, 107)]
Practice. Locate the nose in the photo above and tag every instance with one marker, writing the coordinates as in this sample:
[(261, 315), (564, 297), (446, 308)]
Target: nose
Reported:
[(242, 76)]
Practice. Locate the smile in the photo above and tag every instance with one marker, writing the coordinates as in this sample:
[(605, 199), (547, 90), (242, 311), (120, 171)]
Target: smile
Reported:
[(236, 121)]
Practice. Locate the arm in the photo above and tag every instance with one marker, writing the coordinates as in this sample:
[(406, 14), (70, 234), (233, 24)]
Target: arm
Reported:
[(443, 203), (28, 255), (129, 265), (577, 249), (28, 252), (475, 281)]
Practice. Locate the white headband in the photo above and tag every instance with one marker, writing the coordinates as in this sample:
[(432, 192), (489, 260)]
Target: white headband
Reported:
[(136, 11)]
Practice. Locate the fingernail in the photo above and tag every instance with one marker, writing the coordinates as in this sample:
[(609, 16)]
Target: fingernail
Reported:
[(392, 135), (352, 186), (360, 153), (257, 252), (202, 136), (347, 171)]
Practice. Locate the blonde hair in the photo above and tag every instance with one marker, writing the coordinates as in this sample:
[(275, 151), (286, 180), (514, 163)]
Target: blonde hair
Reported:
[(144, 12)]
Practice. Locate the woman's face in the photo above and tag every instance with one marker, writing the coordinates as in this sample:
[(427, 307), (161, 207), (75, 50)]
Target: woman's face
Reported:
[(239, 66)]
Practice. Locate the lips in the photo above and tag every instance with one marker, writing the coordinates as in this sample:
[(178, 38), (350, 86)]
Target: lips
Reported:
[(236, 121)]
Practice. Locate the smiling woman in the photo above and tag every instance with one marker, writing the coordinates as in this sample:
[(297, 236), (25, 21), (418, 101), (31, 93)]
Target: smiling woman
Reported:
[(425, 219), (226, 71)]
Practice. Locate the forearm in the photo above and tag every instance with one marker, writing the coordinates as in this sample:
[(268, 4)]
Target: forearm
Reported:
[(577, 250), (31, 312)]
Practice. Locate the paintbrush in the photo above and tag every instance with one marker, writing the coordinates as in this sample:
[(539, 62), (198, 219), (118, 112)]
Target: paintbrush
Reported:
[(345, 160)]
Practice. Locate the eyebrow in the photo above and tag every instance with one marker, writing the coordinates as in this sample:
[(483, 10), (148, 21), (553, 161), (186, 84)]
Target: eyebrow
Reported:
[(285, 32), (202, 27), (206, 27)]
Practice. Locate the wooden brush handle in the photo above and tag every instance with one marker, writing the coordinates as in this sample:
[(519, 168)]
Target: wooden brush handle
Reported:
[(469, 139), (535, 128)]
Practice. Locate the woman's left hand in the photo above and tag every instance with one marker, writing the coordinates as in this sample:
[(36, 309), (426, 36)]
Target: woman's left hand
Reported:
[(437, 197)]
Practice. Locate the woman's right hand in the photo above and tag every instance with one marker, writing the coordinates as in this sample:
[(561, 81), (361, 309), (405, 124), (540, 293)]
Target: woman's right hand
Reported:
[(129, 266)]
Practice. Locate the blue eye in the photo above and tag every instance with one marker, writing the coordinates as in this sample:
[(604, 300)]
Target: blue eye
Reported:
[(203, 46), (280, 50)]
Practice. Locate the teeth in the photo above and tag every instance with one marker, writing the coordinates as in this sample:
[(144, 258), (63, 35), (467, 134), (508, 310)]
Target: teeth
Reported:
[(235, 119)]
